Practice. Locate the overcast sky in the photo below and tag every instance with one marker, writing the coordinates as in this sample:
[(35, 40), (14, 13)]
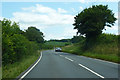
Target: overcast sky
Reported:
[(54, 19)]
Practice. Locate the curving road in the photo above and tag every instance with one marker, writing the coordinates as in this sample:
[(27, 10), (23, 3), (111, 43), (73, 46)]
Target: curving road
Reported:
[(64, 65)]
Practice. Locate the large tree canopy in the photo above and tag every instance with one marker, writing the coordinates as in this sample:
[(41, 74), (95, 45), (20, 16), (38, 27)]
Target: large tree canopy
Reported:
[(34, 34), (91, 21)]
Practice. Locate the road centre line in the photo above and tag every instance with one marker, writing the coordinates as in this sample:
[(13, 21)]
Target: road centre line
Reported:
[(86, 68), (91, 70), (31, 67), (69, 59), (60, 55)]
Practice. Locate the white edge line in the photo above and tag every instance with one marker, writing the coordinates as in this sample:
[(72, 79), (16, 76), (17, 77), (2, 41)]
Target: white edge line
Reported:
[(31, 68), (107, 61), (91, 71), (99, 60), (69, 59)]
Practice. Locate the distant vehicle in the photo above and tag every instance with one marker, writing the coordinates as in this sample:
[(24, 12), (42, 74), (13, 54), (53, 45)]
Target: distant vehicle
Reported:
[(58, 49)]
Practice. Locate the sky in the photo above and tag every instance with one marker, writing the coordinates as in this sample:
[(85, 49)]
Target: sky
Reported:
[(54, 19)]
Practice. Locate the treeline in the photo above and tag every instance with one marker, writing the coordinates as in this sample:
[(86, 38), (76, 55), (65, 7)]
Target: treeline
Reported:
[(62, 40), (17, 43), (104, 38), (75, 39)]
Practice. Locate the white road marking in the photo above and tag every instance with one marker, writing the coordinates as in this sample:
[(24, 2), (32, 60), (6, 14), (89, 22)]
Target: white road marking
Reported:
[(60, 55), (69, 59), (107, 61), (31, 67), (98, 60), (91, 71)]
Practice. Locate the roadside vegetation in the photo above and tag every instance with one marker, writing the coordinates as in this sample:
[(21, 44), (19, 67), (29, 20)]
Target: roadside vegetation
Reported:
[(106, 48), (90, 24), (19, 48), (57, 43), (0, 50), (11, 71)]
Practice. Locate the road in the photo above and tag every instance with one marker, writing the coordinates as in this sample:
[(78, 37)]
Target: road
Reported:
[(64, 65)]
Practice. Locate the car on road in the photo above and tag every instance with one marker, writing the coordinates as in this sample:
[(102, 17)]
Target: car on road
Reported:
[(58, 49)]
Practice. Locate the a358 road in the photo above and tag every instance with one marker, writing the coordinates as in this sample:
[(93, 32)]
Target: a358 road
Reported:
[(64, 65)]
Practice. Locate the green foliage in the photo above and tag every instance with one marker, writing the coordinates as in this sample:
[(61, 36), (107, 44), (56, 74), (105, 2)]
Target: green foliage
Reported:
[(62, 40), (108, 57), (17, 50), (9, 28), (106, 48), (56, 44), (45, 46), (34, 34), (91, 21), (14, 44), (0, 33), (0, 49), (107, 38), (14, 70), (51, 44), (74, 49), (77, 39)]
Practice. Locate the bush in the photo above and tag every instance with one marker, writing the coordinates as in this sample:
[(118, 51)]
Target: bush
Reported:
[(107, 38), (14, 44)]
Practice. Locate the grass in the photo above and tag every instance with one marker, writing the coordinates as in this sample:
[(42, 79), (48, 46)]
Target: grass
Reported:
[(108, 52), (55, 44), (0, 73), (14, 70), (74, 49), (107, 57)]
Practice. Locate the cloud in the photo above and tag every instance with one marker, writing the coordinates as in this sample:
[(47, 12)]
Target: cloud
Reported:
[(52, 36), (86, 1), (50, 17), (68, 31), (82, 1), (73, 10), (43, 17), (111, 30), (61, 10), (114, 29), (40, 9), (1, 18), (81, 8)]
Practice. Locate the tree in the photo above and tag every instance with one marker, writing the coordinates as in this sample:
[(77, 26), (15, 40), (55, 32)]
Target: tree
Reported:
[(77, 39), (14, 44), (8, 30), (34, 34), (91, 21)]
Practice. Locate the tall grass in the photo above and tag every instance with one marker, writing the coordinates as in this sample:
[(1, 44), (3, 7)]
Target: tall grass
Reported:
[(13, 70), (105, 48)]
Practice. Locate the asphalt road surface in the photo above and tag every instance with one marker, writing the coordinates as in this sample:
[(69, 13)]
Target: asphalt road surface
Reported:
[(64, 65)]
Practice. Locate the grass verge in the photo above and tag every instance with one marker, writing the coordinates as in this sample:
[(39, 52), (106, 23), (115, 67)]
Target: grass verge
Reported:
[(98, 52), (0, 73), (14, 70), (107, 57)]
